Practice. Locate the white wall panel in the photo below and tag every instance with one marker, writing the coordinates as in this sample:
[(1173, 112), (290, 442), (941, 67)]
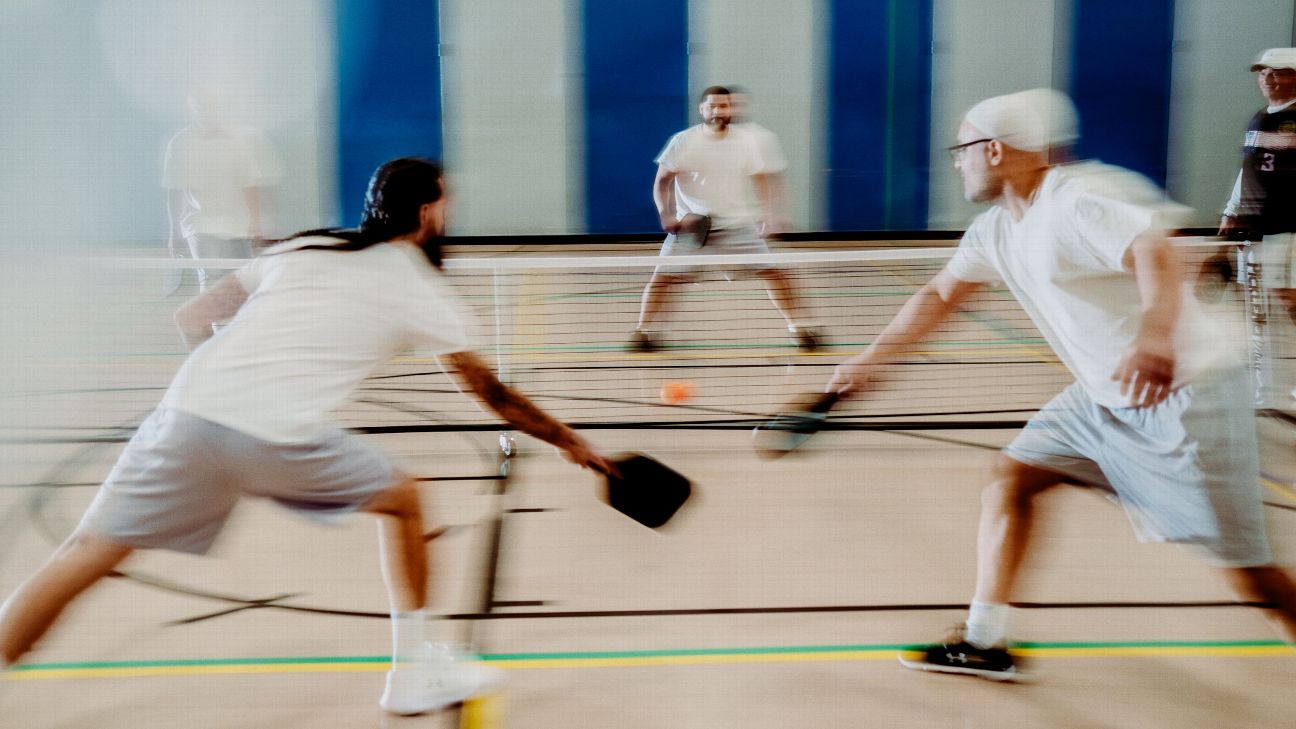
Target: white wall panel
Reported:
[(506, 91), (1214, 93), (982, 49), (775, 50)]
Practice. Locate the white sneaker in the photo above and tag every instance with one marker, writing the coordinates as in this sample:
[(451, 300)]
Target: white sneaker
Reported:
[(437, 678)]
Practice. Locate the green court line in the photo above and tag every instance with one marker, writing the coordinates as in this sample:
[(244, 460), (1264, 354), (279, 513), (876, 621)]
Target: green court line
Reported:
[(1175, 644), (1169, 646)]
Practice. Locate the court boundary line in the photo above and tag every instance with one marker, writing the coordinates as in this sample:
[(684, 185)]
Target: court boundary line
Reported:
[(639, 658)]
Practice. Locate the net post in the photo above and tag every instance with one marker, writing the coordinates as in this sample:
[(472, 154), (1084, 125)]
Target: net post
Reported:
[(1259, 344), (499, 294)]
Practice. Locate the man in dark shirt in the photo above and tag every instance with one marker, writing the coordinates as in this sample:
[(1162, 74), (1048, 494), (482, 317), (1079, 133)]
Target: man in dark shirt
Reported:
[(1262, 208), (1262, 198)]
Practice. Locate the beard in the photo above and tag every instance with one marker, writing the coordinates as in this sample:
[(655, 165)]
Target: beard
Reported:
[(430, 242)]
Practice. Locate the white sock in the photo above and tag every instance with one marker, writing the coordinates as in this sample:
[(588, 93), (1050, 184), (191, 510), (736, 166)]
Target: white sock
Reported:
[(409, 631), (987, 624)]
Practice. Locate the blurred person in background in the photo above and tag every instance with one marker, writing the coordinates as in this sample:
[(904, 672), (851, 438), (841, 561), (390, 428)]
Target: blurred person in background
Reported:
[(1262, 207), (216, 175), (767, 142), (728, 176)]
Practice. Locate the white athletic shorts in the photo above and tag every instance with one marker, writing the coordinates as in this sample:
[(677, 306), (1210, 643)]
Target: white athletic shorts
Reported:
[(732, 240), (180, 476), (1186, 470)]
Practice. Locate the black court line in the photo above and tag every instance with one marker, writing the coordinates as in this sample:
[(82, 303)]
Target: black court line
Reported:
[(252, 605), (1278, 415), (276, 603), (687, 612), (88, 484), (795, 609), (719, 424), (621, 366), (745, 423)]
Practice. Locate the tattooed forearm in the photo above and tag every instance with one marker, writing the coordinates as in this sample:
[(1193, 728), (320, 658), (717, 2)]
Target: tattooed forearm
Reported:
[(508, 403)]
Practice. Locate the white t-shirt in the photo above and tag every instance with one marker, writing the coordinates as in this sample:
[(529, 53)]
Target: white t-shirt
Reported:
[(315, 324), (713, 175), (215, 170), (1064, 261)]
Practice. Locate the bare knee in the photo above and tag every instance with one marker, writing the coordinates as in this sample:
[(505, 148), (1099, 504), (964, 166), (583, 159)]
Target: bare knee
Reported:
[(401, 500), (1265, 583), (1014, 485)]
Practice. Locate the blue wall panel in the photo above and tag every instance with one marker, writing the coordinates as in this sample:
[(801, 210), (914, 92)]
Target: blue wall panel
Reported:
[(389, 90), (1120, 80), (879, 124), (636, 93)]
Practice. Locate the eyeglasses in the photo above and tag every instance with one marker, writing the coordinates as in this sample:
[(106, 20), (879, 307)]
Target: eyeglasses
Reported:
[(956, 152)]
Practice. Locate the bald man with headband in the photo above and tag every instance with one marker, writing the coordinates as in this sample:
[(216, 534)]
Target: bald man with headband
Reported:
[(1156, 417)]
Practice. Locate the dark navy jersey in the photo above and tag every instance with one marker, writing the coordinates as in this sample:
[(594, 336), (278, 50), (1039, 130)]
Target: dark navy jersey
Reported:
[(1268, 199)]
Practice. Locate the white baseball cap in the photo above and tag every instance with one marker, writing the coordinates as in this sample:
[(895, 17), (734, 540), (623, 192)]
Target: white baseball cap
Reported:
[(1032, 120), (1276, 58)]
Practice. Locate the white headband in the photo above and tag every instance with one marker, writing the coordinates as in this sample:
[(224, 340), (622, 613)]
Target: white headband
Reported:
[(1031, 120)]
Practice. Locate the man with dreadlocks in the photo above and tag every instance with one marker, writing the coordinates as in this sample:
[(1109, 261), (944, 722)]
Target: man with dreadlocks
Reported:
[(247, 415)]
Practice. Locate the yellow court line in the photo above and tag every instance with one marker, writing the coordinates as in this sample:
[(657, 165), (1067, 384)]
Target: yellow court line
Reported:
[(1281, 489), (637, 661), (1260, 651)]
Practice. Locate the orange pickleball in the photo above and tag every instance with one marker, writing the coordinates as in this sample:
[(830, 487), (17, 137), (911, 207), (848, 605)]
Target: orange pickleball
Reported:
[(678, 392)]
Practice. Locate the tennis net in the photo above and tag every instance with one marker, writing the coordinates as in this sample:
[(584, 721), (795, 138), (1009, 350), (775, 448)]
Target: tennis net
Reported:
[(557, 327)]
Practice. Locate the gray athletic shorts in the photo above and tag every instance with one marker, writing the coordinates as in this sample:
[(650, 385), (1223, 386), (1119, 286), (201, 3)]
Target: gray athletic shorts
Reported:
[(180, 476), (733, 240), (1186, 470)]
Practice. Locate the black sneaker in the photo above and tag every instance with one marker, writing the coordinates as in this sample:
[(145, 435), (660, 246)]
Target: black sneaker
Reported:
[(956, 655), (807, 340), (641, 342)]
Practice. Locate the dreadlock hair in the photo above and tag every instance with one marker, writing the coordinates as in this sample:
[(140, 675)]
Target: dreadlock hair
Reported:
[(397, 190)]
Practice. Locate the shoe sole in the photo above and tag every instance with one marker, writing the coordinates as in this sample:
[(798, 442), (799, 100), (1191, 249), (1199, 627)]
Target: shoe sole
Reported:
[(457, 699), (1013, 676), (494, 685)]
